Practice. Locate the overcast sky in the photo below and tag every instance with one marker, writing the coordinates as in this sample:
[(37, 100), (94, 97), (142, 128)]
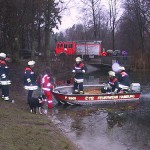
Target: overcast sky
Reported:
[(72, 14)]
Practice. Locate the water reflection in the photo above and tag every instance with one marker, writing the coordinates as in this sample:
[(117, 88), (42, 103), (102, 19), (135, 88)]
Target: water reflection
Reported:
[(115, 119), (94, 127), (111, 127)]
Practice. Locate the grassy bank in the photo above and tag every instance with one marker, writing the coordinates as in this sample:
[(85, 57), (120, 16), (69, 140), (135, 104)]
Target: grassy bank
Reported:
[(21, 130)]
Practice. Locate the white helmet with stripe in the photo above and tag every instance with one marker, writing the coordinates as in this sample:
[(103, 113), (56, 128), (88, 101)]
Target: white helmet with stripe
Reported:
[(32, 62), (122, 68), (78, 59), (111, 73), (2, 55)]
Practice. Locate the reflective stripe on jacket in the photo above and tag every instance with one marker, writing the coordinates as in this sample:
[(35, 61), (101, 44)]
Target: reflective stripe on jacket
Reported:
[(29, 77), (79, 70), (46, 85)]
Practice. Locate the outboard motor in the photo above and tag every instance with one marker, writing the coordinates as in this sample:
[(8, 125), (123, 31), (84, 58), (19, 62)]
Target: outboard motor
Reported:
[(135, 87)]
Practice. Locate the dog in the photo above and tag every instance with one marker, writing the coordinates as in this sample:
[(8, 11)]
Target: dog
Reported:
[(35, 103)]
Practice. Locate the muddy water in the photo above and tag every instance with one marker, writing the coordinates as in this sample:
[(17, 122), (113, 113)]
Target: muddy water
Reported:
[(111, 127)]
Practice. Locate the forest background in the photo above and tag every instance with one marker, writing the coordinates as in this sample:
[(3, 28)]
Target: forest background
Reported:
[(29, 25)]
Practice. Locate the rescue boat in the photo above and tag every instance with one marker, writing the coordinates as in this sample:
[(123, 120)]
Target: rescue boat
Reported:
[(93, 96)]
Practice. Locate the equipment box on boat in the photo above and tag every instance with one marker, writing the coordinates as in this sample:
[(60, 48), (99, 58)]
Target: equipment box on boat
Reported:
[(135, 87)]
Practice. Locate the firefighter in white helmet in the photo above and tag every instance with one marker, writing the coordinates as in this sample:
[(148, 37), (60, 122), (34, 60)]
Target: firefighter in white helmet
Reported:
[(30, 79), (4, 77), (78, 70), (123, 78), (112, 84)]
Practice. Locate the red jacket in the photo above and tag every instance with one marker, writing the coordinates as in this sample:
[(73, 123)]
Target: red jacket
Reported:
[(104, 54), (46, 83)]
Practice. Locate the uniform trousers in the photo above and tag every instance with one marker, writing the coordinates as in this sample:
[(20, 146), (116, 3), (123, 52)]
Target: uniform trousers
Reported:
[(48, 95), (5, 91)]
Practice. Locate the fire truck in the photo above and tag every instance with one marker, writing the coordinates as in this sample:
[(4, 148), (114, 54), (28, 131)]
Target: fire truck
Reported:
[(87, 49)]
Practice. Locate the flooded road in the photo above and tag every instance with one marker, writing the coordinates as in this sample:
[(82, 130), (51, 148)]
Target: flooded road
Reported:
[(111, 127)]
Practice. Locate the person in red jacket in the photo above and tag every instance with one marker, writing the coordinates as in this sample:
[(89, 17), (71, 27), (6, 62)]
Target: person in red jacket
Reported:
[(47, 86), (104, 53)]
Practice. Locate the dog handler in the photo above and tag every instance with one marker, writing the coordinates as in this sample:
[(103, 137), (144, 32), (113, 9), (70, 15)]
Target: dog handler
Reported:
[(30, 79), (47, 86)]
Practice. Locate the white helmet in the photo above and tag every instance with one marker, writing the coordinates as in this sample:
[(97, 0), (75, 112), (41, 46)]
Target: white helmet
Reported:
[(32, 62), (122, 68), (78, 59), (111, 73), (3, 55)]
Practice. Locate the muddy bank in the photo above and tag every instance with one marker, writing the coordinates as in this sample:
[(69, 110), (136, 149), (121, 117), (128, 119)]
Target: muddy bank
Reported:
[(22, 130)]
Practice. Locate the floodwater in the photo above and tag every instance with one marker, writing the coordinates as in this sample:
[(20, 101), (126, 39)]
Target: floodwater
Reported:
[(112, 127)]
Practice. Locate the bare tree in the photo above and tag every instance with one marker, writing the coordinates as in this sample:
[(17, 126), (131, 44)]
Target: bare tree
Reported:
[(137, 14), (92, 10), (113, 18)]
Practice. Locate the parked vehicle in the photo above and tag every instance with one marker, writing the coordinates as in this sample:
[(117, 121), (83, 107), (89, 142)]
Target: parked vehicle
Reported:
[(90, 49), (116, 52), (109, 52), (25, 53)]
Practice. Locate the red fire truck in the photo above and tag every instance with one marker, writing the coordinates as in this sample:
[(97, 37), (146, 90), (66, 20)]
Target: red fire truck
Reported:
[(90, 49)]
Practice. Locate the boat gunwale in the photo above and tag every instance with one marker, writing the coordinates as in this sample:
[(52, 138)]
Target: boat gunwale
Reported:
[(97, 85)]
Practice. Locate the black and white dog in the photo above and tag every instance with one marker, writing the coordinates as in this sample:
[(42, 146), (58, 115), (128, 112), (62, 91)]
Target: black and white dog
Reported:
[(35, 103)]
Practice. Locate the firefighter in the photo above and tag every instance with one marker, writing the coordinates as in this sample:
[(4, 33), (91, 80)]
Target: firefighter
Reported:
[(4, 78), (123, 78), (104, 53), (30, 79), (47, 86), (112, 84), (79, 70), (124, 54)]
